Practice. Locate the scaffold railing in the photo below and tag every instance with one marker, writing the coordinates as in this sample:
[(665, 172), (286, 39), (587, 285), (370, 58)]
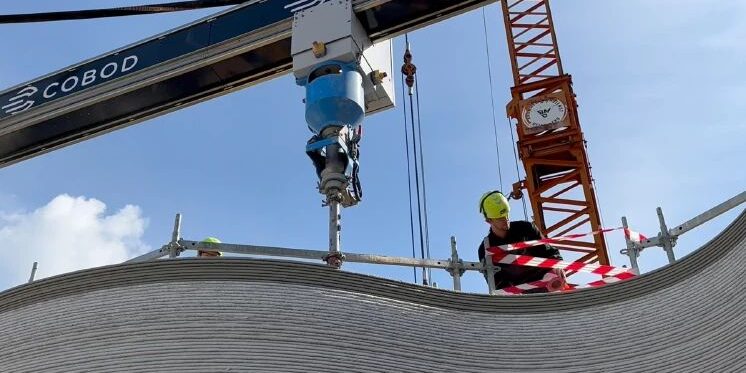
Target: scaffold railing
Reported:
[(455, 266)]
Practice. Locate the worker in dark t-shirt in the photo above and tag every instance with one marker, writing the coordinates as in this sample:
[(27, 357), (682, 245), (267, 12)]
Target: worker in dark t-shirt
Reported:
[(496, 210)]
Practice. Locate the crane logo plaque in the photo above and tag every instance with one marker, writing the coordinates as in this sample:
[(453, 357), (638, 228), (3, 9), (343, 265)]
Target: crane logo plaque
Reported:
[(543, 113)]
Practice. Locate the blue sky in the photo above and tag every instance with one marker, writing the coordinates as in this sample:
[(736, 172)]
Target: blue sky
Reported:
[(661, 105)]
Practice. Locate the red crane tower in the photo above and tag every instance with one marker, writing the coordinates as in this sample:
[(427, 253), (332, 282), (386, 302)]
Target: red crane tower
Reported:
[(550, 141)]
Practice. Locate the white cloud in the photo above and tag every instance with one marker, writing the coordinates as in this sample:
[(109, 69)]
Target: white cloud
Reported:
[(68, 234)]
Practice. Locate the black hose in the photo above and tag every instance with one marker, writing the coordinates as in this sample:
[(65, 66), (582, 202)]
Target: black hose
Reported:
[(116, 12)]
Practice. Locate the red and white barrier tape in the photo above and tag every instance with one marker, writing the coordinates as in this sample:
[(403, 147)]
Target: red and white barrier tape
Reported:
[(503, 257), (632, 235), (522, 288), (549, 277), (608, 280), (500, 254)]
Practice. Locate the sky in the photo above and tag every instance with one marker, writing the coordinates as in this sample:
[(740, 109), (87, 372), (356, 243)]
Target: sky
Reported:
[(660, 101)]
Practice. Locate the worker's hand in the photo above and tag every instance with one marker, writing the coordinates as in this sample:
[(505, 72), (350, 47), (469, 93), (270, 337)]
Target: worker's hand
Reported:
[(558, 281)]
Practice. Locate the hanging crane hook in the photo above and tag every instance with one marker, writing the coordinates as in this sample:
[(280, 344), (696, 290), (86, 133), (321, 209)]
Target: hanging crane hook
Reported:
[(408, 69)]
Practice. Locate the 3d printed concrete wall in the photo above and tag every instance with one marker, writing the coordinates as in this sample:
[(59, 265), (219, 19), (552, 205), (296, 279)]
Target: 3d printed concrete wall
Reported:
[(238, 315)]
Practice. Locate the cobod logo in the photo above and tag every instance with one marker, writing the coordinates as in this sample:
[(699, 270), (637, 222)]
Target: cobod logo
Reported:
[(303, 4), (24, 99), (20, 102)]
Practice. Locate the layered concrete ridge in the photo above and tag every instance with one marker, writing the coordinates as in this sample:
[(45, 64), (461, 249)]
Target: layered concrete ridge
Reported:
[(239, 315)]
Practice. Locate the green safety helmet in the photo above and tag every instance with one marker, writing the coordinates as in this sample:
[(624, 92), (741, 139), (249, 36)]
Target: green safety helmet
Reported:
[(211, 240), (210, 252), (494, 205)]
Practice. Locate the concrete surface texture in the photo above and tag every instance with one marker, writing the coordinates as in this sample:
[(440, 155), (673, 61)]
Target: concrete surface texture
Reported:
[(241, 315)]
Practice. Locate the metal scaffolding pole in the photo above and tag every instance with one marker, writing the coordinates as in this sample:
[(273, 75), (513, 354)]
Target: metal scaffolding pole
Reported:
[(698, 220), (632, 248), (455, 269), (666, 238), (173, 251), (33, 272)]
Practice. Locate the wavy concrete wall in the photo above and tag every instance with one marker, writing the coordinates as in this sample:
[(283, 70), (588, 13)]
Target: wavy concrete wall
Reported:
[(237, 315)]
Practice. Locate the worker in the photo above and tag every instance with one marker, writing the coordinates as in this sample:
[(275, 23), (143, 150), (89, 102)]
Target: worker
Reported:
[(496, 210), (209, 253)]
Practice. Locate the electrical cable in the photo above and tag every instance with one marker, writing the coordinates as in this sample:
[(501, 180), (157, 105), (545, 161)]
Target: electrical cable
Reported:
[(116, 12)]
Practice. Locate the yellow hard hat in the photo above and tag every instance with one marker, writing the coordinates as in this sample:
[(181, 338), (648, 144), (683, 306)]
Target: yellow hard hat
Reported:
[(210, 253), (494, 205)]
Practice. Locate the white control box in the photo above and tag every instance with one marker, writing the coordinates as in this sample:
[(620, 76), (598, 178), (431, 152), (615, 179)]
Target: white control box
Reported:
[(334, 25)]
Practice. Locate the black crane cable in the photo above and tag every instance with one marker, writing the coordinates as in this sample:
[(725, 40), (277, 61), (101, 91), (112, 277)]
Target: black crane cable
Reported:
[(425, 277), (492, 98), (409, 176), (417, 186), (409, 70), (116, 12), (422, 167), (517, 172)]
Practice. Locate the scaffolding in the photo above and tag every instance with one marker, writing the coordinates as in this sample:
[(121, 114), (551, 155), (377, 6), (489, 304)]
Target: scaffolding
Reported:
[(667, 238), (455, 266)]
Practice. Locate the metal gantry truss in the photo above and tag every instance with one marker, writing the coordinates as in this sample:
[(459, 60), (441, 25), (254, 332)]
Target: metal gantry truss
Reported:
[(216, 55)]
